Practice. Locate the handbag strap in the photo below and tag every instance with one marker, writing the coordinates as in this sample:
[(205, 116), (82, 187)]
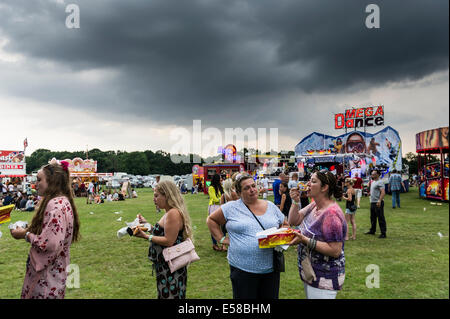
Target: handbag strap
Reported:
[(254, 216)]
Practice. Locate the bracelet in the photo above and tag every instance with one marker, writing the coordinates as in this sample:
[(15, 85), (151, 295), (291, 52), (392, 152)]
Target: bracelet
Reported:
[(150, 238), (295, 203), (311, 244), (221, 241)]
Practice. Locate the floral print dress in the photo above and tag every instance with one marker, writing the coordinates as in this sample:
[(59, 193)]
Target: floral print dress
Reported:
[(170, 285), (50, 253)]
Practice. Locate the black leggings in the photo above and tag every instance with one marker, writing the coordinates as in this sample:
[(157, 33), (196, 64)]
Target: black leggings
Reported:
[(254, 286)]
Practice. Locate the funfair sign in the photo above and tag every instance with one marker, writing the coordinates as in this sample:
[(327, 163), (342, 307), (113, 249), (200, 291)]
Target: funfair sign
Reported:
[(360, 117)]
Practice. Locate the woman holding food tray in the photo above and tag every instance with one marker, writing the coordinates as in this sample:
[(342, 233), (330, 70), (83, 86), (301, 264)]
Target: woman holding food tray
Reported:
[(251, 268), (323, 228), (173, 228)]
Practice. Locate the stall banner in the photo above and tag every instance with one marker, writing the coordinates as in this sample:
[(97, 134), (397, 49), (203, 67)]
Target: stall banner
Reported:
[(80, 166), (12, 156), (12, 169), (432, 139), (433, 170), (383, 147), (445, 187), (434, 189)]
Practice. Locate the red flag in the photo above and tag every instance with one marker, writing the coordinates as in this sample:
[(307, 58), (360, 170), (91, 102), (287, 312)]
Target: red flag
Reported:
[(25, 143)]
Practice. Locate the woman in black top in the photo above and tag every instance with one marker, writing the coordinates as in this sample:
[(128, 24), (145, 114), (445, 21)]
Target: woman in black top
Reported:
[(172, 229), (286, 200), (350, 206)]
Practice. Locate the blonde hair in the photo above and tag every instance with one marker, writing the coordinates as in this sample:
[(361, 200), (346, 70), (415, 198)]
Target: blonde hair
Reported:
[(175, 200), (228, 187)]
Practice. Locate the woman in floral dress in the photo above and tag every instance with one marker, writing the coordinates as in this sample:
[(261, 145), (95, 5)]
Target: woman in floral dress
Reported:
[(53, 229)]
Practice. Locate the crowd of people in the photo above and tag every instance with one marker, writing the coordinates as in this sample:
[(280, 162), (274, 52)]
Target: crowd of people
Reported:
[(235, 214), (11, 194)]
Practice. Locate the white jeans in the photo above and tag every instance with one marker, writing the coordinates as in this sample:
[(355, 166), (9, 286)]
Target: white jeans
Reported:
[(316, 293)]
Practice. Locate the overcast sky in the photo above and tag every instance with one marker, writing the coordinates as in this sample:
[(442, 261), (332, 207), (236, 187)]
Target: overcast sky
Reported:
[(137, 71)]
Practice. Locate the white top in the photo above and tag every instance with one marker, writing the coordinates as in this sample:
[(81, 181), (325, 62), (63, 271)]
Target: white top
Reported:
[(265, 182)]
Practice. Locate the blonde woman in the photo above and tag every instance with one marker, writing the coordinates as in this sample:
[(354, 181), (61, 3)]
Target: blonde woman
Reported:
[(173, 228), (229, 194)]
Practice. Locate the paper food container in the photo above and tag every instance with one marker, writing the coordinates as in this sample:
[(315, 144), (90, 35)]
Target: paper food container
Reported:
[(5, 213), (273, 237)]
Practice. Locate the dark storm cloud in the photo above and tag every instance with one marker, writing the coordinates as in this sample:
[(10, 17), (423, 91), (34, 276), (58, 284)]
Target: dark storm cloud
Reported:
[(179, 60)]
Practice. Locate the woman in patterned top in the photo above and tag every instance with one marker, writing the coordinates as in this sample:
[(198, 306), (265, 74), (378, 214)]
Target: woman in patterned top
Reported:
[(323, 230), (172, 229), (53, 229)]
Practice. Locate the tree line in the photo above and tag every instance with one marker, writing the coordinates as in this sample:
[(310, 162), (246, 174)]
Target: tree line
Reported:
[(149, 162), (136, 163)]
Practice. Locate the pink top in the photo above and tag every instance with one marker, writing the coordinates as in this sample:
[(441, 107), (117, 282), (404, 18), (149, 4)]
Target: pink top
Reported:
[(50, 253)]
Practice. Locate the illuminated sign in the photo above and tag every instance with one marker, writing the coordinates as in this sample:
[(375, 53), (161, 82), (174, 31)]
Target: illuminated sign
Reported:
[(230, 153), (360, 117)]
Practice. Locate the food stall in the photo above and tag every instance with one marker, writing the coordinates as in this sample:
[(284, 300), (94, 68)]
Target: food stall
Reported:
[(433, 175), (12, 167), (225, 170), (197, 175)]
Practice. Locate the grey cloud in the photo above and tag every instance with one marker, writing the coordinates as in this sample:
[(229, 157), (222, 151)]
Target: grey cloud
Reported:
[(185, 59)]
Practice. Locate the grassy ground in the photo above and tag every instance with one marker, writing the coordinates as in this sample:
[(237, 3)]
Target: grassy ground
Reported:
[(413, 261)]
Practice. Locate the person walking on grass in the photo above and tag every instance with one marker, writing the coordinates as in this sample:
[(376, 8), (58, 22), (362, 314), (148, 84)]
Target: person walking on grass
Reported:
[(350, 206), (377, 205), (395, 186), (215, 191), (358, 186)]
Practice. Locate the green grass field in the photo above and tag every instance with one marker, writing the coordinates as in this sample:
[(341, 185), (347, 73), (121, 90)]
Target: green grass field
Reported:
[(413, 261)]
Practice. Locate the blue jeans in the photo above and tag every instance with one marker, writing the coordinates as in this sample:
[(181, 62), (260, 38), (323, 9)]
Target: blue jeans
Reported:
[(395, 198)]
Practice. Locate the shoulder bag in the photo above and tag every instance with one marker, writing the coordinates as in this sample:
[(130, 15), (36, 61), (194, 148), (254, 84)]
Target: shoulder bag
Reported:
[(180, 255)]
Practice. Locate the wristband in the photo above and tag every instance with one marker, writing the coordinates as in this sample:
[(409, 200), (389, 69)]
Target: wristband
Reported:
[(221, 241), (150, 238), (26, 236), (295, 202)]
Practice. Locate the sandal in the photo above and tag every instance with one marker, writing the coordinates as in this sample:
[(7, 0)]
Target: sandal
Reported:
[(216, 248), (224, 248)]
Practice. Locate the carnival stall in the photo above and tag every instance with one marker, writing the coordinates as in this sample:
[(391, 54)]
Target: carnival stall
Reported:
[(197, 175), (433, 175), (12, 166), (350, 153), (225, 170), (83, 171)]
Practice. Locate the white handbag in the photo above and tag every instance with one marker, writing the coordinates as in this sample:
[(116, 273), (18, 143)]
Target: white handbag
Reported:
[(180, 255)]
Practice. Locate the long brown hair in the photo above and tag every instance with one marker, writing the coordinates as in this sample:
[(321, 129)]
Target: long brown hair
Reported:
[(58, 184)]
